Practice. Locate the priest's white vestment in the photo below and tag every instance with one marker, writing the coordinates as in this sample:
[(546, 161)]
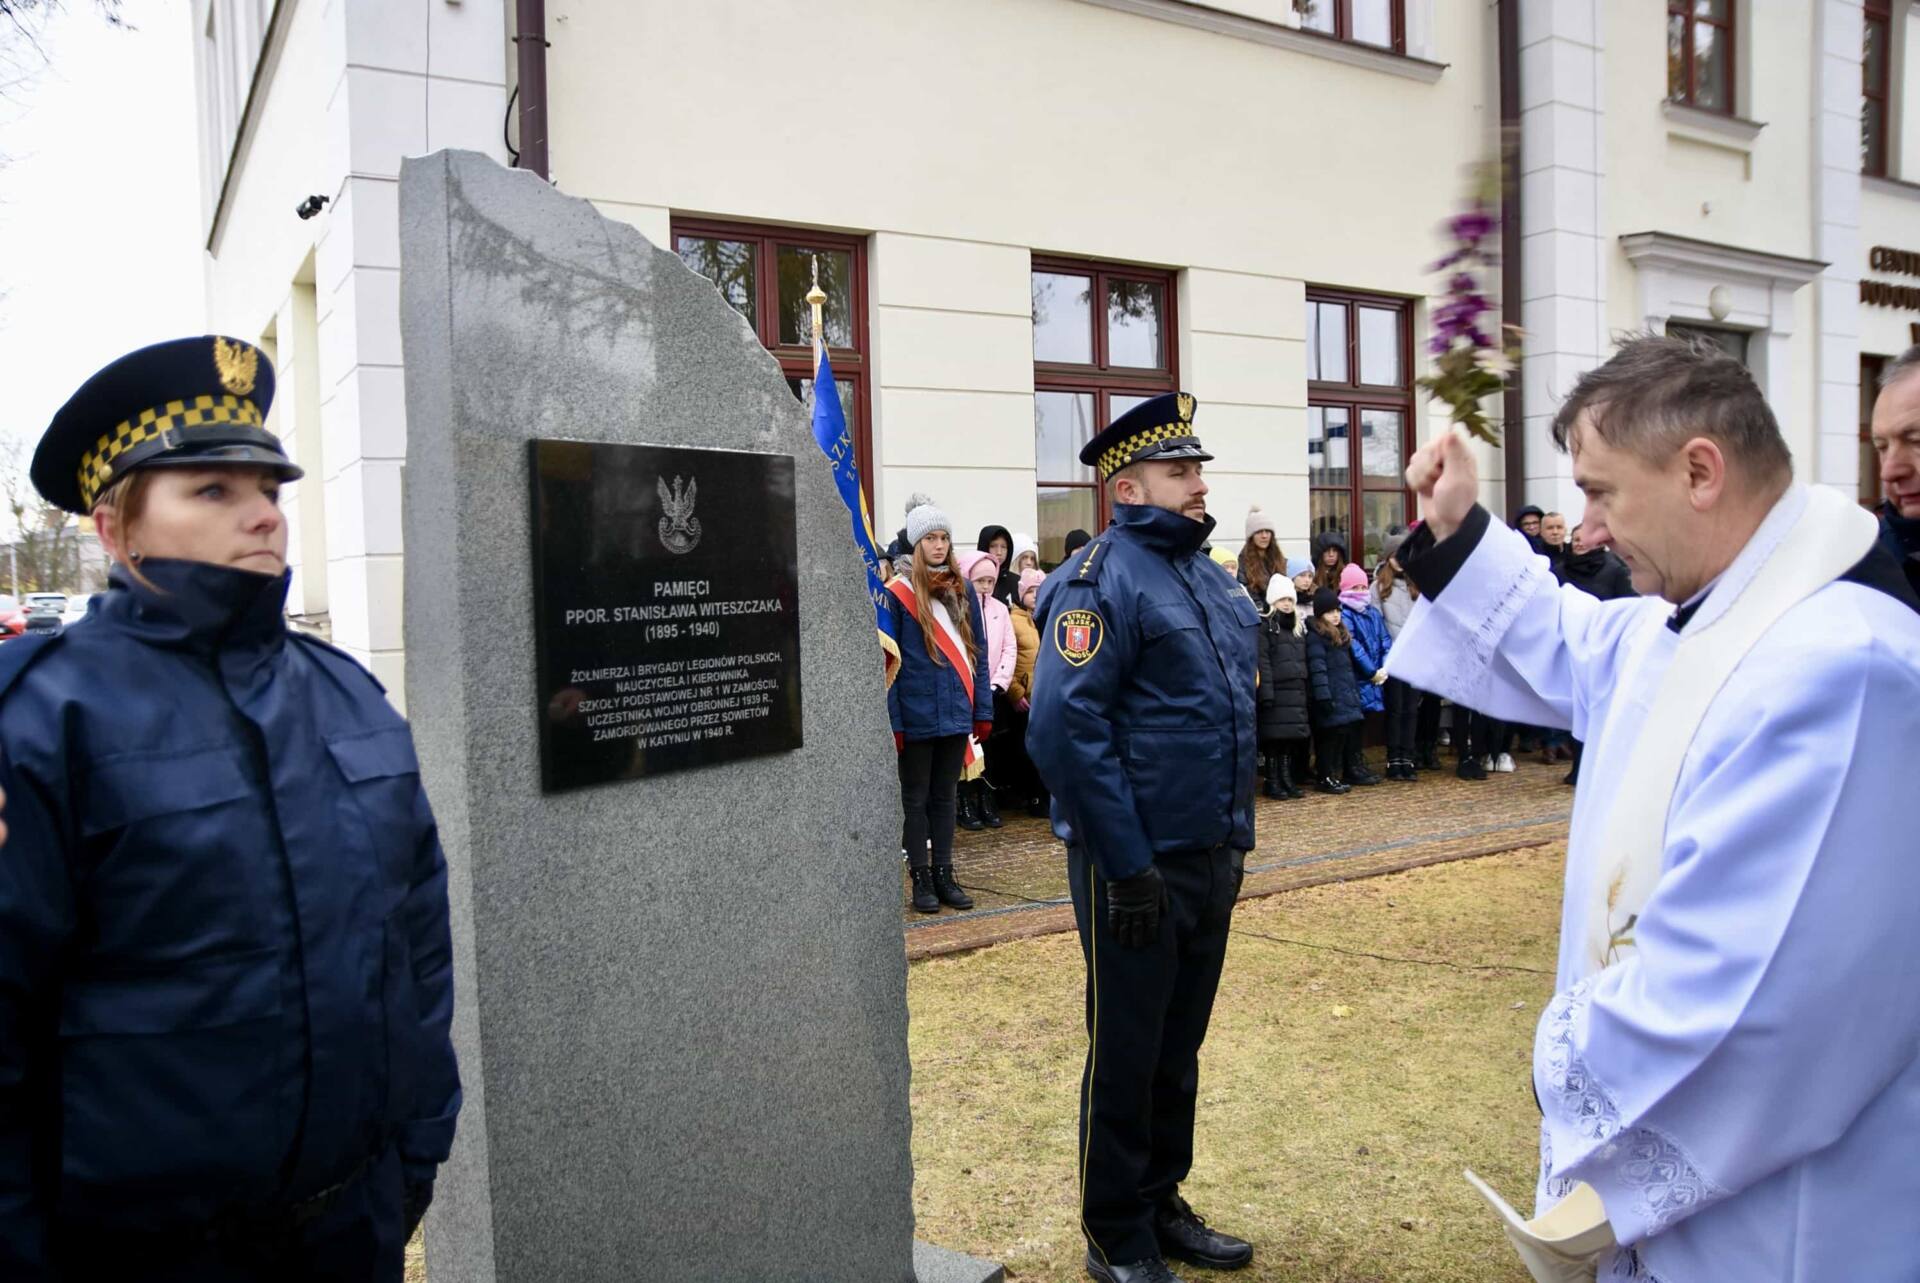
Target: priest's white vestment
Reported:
[(1735, 1067)]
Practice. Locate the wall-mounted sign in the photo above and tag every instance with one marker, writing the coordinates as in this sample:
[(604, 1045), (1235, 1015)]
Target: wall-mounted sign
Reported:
[(1900, 262)]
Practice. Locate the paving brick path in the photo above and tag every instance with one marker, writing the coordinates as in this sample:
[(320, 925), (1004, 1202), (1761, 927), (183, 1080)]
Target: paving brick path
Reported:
[(1018, 874)]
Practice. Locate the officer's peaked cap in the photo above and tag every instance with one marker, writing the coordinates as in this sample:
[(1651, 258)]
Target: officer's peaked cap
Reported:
[(1160, 427), (183, 403)]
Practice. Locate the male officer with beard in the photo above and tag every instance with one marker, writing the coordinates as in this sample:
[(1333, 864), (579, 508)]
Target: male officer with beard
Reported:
[(1143, 728)]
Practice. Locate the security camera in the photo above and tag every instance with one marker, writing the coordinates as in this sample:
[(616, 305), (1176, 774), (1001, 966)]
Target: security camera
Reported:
[(309, 207)]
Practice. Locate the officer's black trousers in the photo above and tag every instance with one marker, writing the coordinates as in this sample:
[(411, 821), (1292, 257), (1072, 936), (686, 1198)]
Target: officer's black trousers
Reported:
[(1426, 733), (1147, 1013)]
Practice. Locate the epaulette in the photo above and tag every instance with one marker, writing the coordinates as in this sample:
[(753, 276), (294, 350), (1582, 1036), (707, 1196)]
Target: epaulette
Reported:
[(18, 655), (329, 647), (1087, 563)]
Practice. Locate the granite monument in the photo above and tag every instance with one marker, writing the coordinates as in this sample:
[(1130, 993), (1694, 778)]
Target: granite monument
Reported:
[(681, 1007)]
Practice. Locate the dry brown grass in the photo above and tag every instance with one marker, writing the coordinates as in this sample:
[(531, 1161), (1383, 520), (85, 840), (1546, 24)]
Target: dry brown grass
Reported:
[(1340, 1095)]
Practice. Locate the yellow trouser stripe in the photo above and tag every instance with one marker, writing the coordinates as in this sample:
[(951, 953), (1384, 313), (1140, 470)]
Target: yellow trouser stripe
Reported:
[(1093, 1049)]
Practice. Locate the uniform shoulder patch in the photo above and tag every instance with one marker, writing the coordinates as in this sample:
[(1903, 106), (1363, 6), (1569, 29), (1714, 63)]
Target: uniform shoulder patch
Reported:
[(1077, 635)]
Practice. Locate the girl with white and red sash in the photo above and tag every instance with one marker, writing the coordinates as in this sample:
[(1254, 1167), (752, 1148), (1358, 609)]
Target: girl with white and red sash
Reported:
[(941, 700)]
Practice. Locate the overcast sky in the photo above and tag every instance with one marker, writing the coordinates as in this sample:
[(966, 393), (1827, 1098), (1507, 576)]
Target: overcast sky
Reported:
[(100, 238)]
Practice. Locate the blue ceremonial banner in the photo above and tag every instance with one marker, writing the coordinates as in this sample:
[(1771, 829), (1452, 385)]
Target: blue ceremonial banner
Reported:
[(830, 433)]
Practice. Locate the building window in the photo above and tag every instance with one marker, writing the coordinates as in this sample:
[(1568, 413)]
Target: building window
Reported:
[(1366, 22), (1102, 344), (764, 274), (1700, 53), (1871, 368), (1359, 416), (1733, 342), (1876, 68)]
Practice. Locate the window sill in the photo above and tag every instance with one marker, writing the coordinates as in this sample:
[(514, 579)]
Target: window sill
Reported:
[(1279, 36), (1734, 133), (1891, 186)]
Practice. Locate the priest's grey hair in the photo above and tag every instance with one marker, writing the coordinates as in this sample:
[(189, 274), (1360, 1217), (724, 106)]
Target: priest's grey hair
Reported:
[(1657, 392), (1900, 367)]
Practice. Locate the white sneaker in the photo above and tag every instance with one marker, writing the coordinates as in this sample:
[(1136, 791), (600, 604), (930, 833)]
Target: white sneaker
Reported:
[(1504, 763), (1486, 764)]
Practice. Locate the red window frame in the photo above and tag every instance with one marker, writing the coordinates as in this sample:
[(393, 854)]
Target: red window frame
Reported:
[(1343, 24), (1871, 368), (1354, 397), (1876, 93), (850, 364), (1101, 379), (1687, 89)]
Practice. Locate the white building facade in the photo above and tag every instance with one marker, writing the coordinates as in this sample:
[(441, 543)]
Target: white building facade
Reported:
[(1029, 213)]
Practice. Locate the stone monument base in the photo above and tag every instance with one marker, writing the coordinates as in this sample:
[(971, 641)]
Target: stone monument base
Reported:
[(938, 1265)]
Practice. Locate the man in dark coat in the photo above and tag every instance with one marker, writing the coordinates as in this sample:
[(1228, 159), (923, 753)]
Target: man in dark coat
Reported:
[(1143, 727), (1896, 443), (1595, 570)]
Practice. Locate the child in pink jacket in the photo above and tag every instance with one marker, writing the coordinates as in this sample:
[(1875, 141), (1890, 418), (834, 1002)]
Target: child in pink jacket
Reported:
[(977, 807)]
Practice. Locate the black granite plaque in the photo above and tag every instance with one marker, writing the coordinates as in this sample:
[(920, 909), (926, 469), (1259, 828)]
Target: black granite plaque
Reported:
[(666, 609)]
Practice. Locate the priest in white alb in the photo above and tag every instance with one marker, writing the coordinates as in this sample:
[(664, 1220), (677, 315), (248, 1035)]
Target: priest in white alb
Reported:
[(1731, 1061)]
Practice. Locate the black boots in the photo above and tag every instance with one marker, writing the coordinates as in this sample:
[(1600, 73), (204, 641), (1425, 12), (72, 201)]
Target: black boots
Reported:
[(985, 805), (966, 809), (1328, 784), (947, 890), (1401, 769), (924, 898), (1272, 788), (1470, 769), (1357, 769), (1287, 788)]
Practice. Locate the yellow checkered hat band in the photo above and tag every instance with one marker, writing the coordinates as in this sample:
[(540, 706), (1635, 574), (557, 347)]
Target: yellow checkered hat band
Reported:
[(96, 465), (1118, 456)]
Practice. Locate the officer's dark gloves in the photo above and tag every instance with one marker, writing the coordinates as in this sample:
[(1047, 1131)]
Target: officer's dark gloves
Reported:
[(415, 1200), (1133, 908)]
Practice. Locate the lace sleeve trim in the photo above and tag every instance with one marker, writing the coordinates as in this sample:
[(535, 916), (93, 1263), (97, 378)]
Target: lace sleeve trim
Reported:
[(1662, 1178)]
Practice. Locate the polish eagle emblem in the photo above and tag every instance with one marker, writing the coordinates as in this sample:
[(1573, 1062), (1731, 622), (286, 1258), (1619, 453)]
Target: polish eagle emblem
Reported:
[(237, 364), (679, 528)]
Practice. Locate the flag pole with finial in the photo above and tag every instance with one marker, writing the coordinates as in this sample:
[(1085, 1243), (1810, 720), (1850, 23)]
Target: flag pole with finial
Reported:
[(817, 299)]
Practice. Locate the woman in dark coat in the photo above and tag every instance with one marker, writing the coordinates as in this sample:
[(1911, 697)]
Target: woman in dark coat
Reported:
[(226, 977), (1335, 690), (1282, 710), (934, 706)]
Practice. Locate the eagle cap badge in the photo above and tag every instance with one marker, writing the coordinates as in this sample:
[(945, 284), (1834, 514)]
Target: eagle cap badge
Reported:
[(237, 364), (1185, 404)]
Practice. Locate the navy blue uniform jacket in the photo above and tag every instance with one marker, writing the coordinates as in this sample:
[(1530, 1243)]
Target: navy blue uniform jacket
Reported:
[(1143, 695), (225, 972)]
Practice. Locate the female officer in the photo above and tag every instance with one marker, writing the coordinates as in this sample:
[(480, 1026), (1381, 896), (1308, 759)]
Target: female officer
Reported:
[(225, 974)]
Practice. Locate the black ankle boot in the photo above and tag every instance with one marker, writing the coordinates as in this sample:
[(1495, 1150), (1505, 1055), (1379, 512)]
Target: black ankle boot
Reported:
[(1273, 788), (948, 890), (966, 813), (1288, 789), (925, 900), (1357, 771), (989, 807)]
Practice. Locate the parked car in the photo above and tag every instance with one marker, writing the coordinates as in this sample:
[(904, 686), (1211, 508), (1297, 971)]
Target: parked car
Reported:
[(52, 602), (13, 620)]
